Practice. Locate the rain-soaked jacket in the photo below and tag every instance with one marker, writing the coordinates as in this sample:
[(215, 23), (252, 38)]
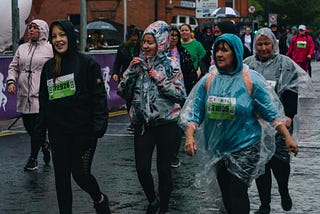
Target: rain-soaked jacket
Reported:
[(227, 114), (287, 79), (26, 68), (155, 101)]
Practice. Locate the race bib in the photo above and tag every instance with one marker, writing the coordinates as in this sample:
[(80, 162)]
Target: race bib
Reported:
[(63, 87), (221, 108), (301, 44)]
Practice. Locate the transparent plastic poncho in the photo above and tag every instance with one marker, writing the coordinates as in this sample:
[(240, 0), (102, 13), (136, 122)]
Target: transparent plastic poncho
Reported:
[(288, 77), (246, 163)]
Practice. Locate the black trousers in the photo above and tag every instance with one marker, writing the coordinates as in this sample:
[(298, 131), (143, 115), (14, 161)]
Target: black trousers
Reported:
[(176, 146), (162, 137), (234, 192), (281, 172), (73, 155), (29, 122)]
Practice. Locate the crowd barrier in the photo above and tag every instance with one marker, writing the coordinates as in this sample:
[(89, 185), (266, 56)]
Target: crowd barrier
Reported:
[(105, 59)]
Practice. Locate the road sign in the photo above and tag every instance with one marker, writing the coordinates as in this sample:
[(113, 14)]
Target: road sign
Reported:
[(252, 9), (273, 19), (205, 7)]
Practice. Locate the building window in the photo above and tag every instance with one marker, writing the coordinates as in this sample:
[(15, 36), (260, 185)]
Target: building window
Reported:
[(229, 3)]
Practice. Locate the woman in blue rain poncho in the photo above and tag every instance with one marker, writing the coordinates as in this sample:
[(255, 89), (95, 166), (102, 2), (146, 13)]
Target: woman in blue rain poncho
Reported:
[(289, 81), (223, 108)]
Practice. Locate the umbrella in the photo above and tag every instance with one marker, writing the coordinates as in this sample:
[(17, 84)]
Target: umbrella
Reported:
[(100, 25), (223, 12), (109, 32)]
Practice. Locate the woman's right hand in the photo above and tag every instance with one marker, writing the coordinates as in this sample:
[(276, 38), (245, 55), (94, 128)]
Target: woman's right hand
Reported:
[(190, 147), (12, 89), (134, 61)]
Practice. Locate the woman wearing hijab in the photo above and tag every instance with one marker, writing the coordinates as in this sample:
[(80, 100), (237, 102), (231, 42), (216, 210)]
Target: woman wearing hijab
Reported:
[(24, 72), (222, 109), (155, 82), (288, 81), (73, 106)]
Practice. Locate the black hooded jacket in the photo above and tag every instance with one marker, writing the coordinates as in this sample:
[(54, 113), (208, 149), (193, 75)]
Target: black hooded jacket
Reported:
[(86, 110)]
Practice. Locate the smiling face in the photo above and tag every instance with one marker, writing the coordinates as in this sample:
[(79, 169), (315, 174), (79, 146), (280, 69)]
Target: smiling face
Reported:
[(149, 46), (59, 39), (185, 32), (225, 57), (264, 47)]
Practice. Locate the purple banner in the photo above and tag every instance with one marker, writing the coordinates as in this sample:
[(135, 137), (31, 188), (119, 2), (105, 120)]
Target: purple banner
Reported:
[(8, 101)]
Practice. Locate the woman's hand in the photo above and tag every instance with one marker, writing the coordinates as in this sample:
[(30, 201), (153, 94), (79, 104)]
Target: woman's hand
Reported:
[(292, 145), (153, 73), (288, 122), (190, 147), (11, 88), (134, 61), (115, 77)]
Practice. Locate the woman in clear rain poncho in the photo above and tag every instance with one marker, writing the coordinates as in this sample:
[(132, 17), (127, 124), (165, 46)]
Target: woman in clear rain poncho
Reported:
[(223, 110), (288, 81)]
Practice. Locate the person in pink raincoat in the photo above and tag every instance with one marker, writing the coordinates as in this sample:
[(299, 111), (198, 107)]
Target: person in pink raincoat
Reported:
[(24, 81)]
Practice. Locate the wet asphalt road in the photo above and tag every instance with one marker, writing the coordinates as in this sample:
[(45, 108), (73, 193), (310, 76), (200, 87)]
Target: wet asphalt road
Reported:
[(113, 166)]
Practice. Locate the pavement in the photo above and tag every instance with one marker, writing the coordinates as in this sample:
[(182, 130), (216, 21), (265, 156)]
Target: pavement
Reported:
[(113, 166)]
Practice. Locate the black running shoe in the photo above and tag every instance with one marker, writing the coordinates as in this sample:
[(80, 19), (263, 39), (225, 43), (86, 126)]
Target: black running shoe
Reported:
[(263, 209), (103, 207), (175, 163), (46, 152), (286, 202), (153, 207), (130, 129), (31, 165)]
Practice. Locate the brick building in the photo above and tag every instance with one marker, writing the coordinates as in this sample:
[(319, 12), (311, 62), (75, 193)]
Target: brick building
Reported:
[(139, 12)]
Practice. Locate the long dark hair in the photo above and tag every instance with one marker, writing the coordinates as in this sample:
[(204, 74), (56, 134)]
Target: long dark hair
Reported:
[(176, 30)]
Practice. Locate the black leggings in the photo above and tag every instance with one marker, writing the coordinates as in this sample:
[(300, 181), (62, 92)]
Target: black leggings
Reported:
[(281, 171), (73, 155), (234, 192), (29, 122), (163, 137)]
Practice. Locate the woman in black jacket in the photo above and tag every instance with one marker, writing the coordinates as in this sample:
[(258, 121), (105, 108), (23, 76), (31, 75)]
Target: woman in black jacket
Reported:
[(73, 106)]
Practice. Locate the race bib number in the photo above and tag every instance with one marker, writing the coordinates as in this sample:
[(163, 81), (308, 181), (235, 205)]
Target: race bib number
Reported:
[(221, 108), (301, 44), (63, 87)]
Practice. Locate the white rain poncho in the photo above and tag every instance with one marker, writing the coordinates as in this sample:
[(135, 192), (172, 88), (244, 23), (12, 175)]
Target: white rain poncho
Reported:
[(236, 139), (285, 76)]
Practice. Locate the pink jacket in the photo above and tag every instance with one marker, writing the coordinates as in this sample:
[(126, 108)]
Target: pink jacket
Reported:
[(300, 47), (25, 69)]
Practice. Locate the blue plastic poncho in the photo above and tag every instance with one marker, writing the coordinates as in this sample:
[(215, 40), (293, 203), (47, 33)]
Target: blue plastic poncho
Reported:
[(226, 116)]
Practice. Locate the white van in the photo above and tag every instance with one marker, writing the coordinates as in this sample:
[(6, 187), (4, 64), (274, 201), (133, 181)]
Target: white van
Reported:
[(184, 19)]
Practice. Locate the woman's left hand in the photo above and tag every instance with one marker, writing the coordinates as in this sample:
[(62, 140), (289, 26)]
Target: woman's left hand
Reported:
[(153, 73)]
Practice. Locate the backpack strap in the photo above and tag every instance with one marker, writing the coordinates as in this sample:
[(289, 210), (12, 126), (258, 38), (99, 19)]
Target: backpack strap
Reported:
[(247, 79), (245, 75), (210, 79)]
